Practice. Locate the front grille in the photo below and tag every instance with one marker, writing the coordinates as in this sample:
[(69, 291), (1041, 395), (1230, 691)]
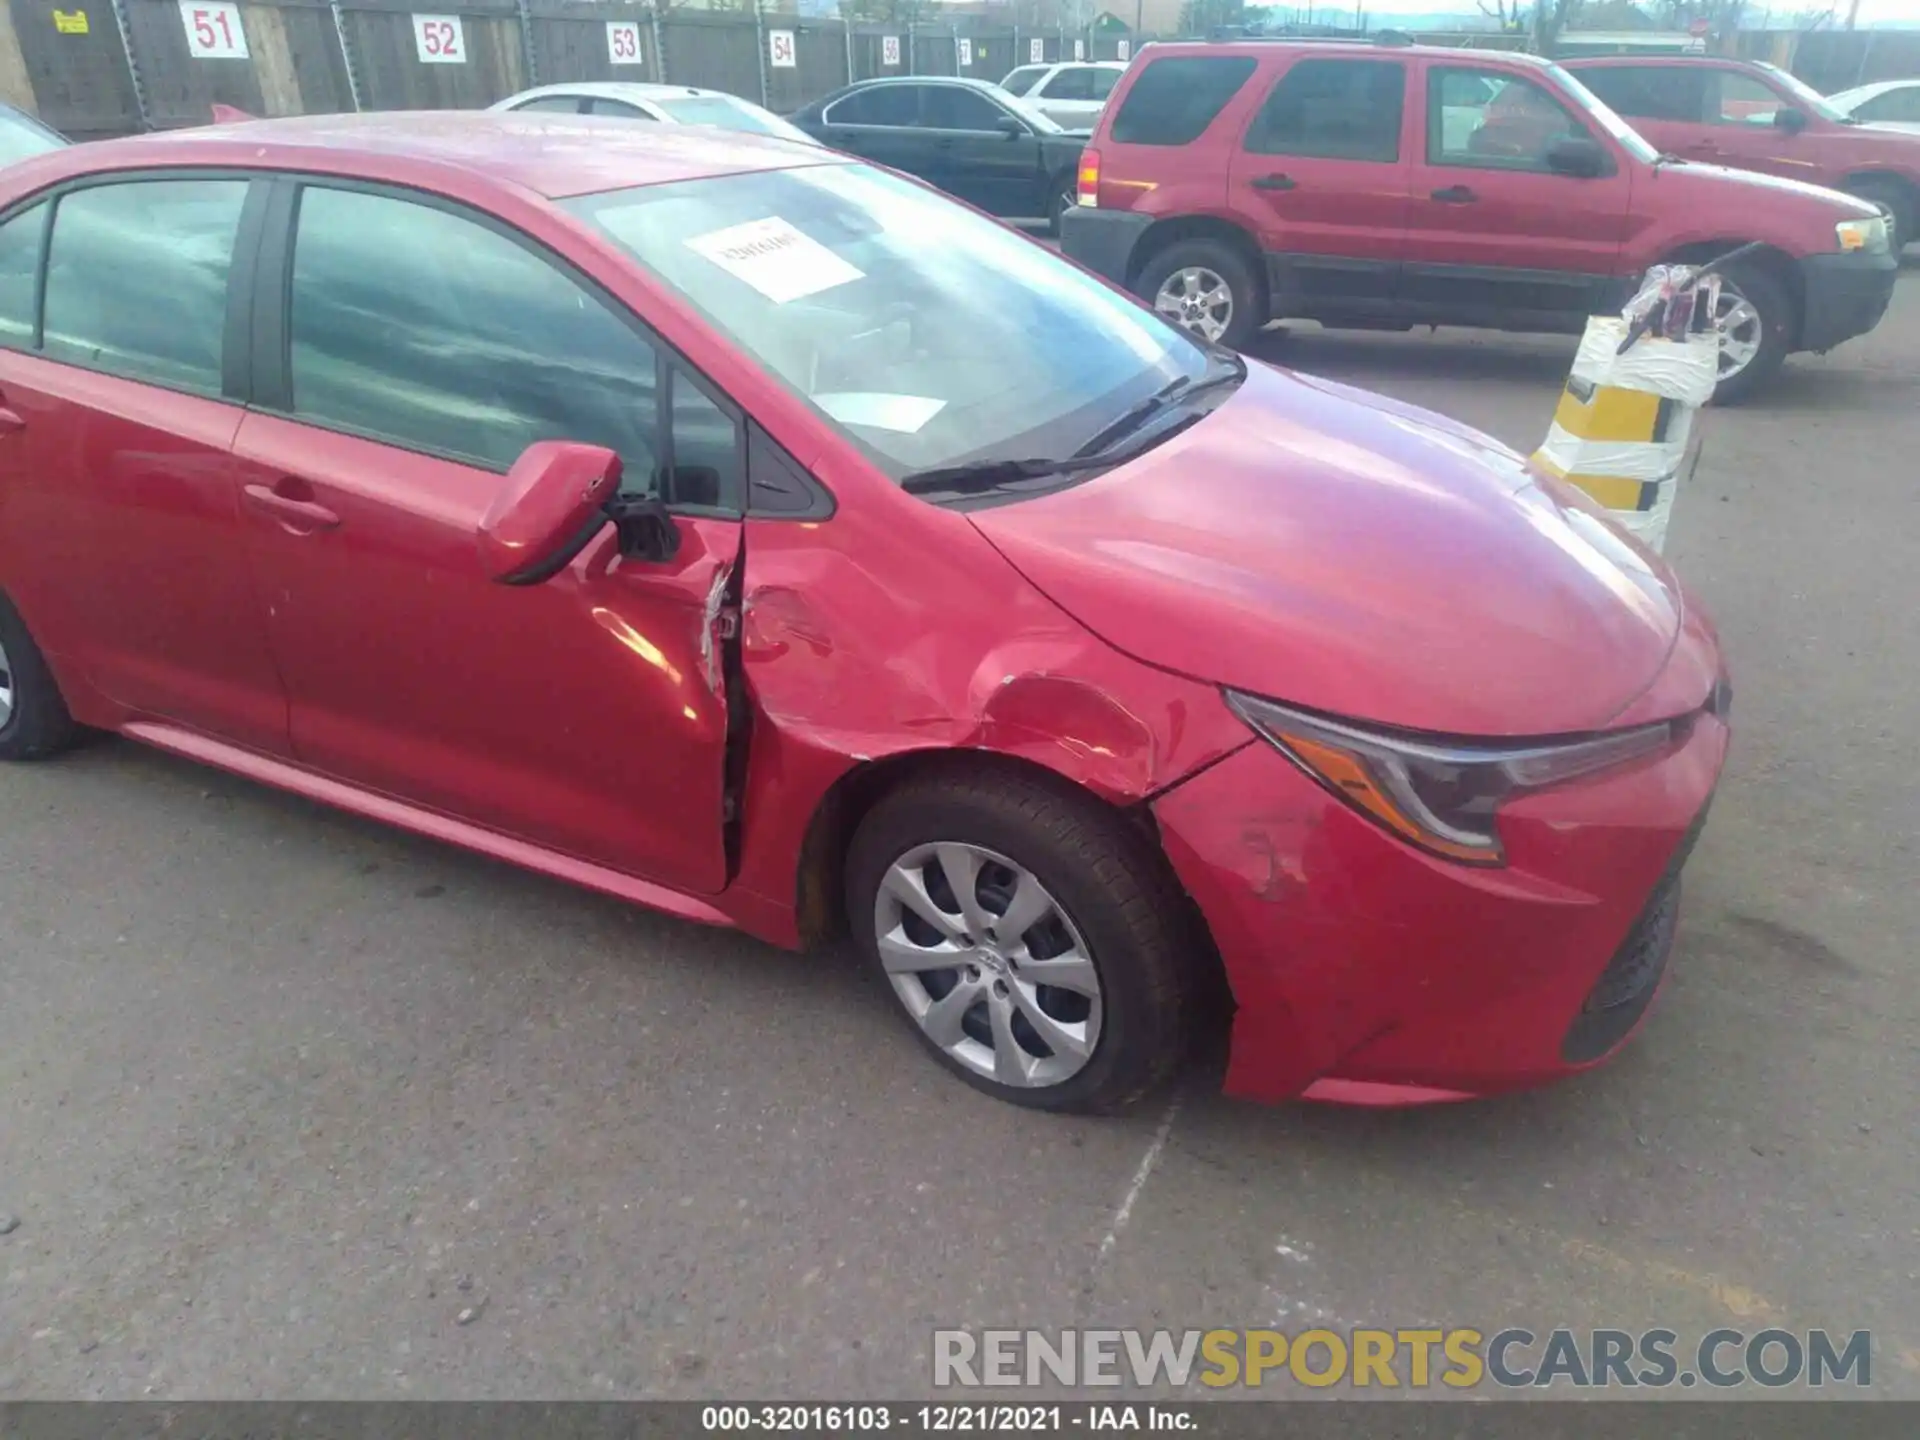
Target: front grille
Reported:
[(1626, 987)]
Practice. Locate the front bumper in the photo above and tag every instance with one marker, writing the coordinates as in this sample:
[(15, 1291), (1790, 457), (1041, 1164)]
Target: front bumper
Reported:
[(1103, 241), (1846, 295), (1366, 971)]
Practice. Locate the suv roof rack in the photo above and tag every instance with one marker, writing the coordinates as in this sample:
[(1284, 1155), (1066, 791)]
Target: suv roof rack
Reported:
[(1236, 34)]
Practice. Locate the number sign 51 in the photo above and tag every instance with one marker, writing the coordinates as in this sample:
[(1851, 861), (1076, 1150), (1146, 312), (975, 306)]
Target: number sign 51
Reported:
[(439, 40), (213, 30)]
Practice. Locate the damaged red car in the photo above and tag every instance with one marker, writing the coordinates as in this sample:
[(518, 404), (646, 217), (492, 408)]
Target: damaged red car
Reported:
[(756, 535)]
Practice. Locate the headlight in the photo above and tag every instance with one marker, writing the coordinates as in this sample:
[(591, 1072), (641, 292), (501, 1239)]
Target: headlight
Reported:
[(1441, 797), (1868, 235)]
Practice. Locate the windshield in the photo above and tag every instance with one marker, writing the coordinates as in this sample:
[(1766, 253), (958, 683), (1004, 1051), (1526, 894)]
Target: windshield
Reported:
[(730, 115), (22, 138), (1634, 142), (929, 335), (1804, 93)]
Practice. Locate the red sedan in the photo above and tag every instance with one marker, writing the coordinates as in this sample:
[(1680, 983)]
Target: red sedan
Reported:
[(756, 535)]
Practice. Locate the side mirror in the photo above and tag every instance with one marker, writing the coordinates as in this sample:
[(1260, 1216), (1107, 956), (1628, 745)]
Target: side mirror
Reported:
[(1790, 120), (555, 500), (1011, 126), (1577, 155)]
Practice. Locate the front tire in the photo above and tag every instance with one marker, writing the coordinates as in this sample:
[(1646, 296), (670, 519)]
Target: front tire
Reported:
[(1207, 287), (1755, 322), (1037, 945), (34, 723)]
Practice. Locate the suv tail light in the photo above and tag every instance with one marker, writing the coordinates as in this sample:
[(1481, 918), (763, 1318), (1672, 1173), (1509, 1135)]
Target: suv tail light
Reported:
[(1088, 192)]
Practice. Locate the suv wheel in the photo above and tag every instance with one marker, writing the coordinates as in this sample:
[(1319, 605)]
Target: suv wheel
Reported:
[(1754, 318), (1032, 940), (34, 722), (1207, 287)]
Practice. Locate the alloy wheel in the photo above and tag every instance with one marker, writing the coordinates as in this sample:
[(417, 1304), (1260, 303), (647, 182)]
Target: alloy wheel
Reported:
[(1740, 328), (988, 964), (6, 687), (1197, 299)]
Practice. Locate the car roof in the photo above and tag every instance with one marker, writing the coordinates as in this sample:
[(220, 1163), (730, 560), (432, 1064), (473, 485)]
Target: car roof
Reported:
[(627, 90), (967, 82), (555, 156), (1308, 45)]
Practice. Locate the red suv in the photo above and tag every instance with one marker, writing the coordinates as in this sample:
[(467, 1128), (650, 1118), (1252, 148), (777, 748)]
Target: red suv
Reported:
[(1383, 186), (1758, 117)]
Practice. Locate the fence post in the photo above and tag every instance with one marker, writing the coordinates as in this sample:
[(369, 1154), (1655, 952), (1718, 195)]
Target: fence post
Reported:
[(346, 56), (913, 65), (760, 39), (846, 30), (659, 49), (526, 43), (133, 65)]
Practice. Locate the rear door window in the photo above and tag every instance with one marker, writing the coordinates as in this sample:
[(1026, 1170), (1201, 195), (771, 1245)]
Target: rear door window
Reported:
[(882, 105), (1334, 110), (600, 105), (1103, 82), (1177, 97), (1073, 84), (1021, 80), (137, 279), (554, 105)]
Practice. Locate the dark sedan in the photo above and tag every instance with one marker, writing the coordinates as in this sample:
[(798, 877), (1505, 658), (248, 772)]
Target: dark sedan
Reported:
[(970, 138)]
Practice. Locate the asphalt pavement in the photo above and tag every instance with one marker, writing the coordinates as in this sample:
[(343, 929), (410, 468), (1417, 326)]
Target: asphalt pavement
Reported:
[(294, 1105)]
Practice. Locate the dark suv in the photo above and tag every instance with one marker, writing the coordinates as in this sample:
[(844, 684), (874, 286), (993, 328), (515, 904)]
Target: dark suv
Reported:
[(1383, 186), (972, 139)]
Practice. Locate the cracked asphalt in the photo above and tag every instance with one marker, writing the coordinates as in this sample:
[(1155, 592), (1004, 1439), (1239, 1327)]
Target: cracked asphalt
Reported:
[(295, 1106)]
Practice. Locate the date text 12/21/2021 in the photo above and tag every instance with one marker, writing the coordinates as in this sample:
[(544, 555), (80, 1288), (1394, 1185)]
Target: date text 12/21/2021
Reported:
[(943, 1419)]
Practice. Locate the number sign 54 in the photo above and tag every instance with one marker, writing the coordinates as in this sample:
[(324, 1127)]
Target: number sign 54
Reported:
[(439, 40), (213, 30)]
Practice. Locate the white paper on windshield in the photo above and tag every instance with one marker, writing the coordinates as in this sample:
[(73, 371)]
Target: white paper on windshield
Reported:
[(903, 414), (775, 259)]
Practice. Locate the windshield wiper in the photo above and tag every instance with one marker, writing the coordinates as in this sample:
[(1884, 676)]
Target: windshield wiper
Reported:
[(1173, 392), (977, 476)]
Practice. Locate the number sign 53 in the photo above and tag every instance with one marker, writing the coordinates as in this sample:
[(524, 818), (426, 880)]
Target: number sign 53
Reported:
[(213, 30), (439, 40)]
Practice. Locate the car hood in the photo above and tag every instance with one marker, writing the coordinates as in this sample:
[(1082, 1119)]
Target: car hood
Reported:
[(1718, 177), (1315, 544)]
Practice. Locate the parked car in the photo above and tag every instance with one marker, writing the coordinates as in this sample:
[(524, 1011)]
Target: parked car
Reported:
[(1891, 104), (1758, 117), (1386, 186), (756, 535), (971, 139), (22, 136), (1071, 93), (671, 104)]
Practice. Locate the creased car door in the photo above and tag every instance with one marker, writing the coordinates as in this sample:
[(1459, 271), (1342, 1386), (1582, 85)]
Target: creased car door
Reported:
[(587, 714)]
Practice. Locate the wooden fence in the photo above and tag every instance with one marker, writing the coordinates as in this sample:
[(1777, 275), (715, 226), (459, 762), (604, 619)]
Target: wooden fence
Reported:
[(117, 67)]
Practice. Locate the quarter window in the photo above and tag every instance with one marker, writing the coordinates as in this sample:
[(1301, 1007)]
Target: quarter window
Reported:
[(1490, 120), (19, 269), (1333, 109), (137, 279), (1176, 98), (424, 328)]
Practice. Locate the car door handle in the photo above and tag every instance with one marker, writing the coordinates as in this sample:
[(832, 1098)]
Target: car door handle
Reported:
[(300, 516), (1273, 182), (1455, 195)]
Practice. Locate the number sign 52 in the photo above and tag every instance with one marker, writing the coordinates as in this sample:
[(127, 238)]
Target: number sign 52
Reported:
[(213, 30), (439, 40)]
